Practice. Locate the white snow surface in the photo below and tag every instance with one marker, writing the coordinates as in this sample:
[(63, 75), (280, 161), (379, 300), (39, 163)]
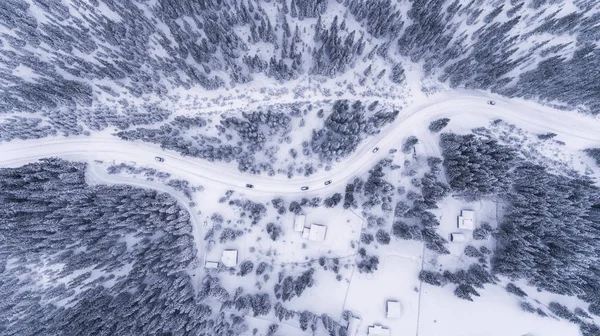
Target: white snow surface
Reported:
[(426, 310)]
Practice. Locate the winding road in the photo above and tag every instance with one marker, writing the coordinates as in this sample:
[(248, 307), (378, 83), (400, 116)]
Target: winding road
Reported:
[(103, 146)]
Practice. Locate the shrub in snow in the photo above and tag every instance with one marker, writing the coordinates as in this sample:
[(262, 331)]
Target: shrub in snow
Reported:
[(246, 267), (432, 278), (261, 268), (465, 291), (272, 329), (295, 208), (397, 74), (594, 153), (274, 231), (229, 234), (382, 237), (546, 136), (514, 289), (437, 125), (404, 231), (366, 238), (279, 204), (483, 232), (484, 250), (594, 308), (527, 307), (333, 201), (409, 144), (580, 312), (434, 241), (562, 311), (401, 209), (367, 264), (472, 252)]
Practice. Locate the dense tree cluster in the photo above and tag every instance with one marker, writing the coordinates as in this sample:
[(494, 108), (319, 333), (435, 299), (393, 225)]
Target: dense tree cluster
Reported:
[(366, 263), (289, 286), (476, 166), (549, 233), (115, 252), (83, 68), (345, 127), (438, 125), (594, 153)]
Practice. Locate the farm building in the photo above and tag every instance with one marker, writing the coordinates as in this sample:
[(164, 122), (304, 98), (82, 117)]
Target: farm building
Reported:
[(457, 238), (393, 310), (211, 264), (378, 330), (229, 258), (317, 232), (306, 233), (466, 220), (353, 325), (299, 221)]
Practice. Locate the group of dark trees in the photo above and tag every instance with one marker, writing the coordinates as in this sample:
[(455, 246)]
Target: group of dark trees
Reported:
[(288, 286), (78, 259), (239, 140), (466, 281), (549, 231), (477, 166), (345, 127), (83, 66)]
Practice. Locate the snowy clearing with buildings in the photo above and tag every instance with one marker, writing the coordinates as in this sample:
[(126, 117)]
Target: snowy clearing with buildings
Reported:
[(294, 167)]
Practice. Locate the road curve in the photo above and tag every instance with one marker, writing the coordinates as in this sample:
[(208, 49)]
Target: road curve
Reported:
[(103, 146)]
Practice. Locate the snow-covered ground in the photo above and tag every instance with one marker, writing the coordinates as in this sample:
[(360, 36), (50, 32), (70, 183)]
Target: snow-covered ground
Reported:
[(426, 310), (577, 130)]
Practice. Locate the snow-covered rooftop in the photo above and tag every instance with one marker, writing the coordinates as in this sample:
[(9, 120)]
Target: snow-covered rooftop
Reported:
[(317, 232), (229, 258), (299, 223), (378, 330), (457, 237), (393, 310), (466, 220), (353, 325), (211, 264)]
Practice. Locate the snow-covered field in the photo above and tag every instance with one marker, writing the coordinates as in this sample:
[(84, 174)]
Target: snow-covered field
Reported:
[(426, 310)]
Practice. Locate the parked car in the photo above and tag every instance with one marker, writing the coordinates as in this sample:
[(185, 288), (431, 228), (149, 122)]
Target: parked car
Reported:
[(159, 159), (304, 188), (375, 149), (491, 102), (249, 186), (328, 182)]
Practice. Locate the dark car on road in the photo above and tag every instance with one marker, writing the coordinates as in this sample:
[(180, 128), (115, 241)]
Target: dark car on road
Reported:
[(375, 149), (249, 186), (304, 188), (328, 182)]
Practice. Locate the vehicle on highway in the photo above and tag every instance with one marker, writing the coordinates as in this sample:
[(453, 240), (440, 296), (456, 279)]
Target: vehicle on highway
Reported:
[(491, 102), (249, 186), (328, 182), (159, 159), (304, 188), (375, 149)]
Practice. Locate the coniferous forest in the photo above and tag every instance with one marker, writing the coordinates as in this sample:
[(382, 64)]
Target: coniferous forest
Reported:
[(287, 88), (125, 252)]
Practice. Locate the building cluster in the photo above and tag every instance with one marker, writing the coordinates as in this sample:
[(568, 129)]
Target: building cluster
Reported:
[(229, 258), (314, 232), (393, 310), (465, 222)]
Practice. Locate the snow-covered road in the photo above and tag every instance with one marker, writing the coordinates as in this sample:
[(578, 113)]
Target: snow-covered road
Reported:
[(103, 146)]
